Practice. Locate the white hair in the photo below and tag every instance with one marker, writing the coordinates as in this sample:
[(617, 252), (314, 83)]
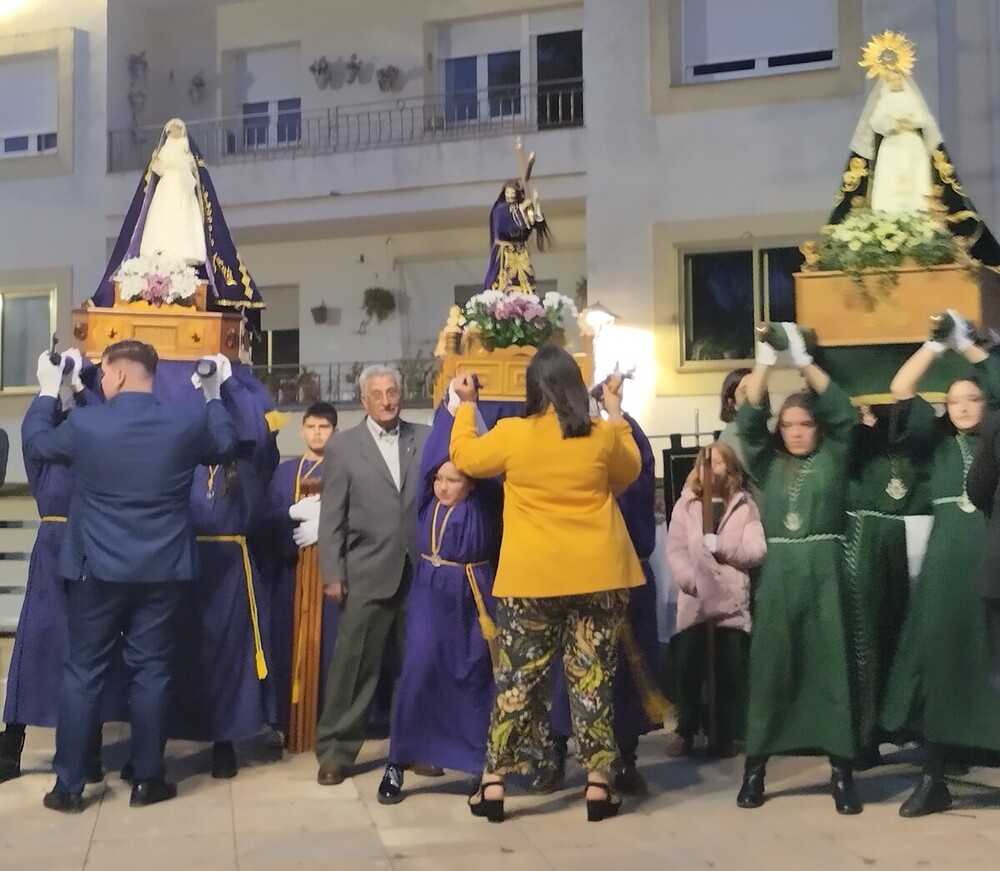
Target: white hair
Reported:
[(376, 370)]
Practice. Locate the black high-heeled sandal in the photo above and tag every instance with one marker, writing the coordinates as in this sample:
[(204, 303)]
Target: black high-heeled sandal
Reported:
[(601, 808), (490, 808)]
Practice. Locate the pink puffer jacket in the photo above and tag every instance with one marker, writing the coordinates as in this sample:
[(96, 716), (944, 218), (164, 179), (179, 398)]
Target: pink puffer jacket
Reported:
[(715, 587)]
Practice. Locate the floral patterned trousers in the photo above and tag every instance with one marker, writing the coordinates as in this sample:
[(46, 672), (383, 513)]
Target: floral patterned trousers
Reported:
[(585, 628)]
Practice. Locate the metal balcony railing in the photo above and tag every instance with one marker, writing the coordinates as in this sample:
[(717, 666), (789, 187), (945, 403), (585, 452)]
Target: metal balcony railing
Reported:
[(444, 117), (298, 386)]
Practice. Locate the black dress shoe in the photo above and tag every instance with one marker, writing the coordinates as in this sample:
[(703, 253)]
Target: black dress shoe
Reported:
[(845, 797), (930, 797), (629, 781), (223, 760), (390, 790), (427, 770), (11, 745), (64, 802), (147, 792), (752, 791)]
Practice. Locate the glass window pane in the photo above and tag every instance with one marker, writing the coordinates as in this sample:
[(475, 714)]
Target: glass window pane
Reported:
[(24, 334), (284, 347), (503, 71), (559, 59), (779, 265), (460, 98), (255, 124), (289, 120), (13, 144), (720, 305)]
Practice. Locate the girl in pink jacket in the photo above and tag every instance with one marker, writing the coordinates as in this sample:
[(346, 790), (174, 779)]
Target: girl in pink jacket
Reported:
[(713, 580)]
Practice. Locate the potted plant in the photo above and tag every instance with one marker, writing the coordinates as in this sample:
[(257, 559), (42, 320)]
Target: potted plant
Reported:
[(271, 381), (508, 318), (378, 303), (320, 68), (351, 377), (309, 387), (353, 69), (387, 77)]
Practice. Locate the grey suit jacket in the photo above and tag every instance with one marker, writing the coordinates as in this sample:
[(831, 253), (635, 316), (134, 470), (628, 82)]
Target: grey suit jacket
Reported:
[(366, 526)]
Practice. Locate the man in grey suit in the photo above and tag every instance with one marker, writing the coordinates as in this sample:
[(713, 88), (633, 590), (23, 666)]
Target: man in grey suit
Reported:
[(367, 546)]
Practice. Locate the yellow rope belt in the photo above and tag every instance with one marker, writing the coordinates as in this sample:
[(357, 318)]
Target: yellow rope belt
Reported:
[(53, 518), (241, 540), (486, 624)]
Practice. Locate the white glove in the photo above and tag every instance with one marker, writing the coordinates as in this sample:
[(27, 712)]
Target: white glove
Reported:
[(74, 375), (797, 347), (453, 401), (711, 542), (961, 336), (223, 368), (765, 354), (306, 533), (210, 386), (306, 508), (50, 376)]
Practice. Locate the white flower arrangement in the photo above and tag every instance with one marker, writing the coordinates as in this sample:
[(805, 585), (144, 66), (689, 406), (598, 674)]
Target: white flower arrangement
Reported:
[(157, 278), (511, 317)]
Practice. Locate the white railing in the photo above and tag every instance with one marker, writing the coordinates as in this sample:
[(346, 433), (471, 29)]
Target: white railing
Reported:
[(390, 123)]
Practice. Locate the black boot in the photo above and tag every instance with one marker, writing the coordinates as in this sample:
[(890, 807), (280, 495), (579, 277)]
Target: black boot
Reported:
[(223, 760), (11, 745), (845, 796), (752, 791), (930, 797)]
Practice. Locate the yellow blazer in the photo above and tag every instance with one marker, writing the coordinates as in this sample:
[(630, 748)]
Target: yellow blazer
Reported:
[(562, 531)]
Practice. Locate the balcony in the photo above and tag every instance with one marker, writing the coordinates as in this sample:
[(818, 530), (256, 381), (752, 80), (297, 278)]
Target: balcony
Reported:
[(290, 133)]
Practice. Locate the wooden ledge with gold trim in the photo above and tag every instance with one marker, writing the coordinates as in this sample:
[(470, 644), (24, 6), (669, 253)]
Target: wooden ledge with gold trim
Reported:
[(893, 312), (501, 372), (177, 332)]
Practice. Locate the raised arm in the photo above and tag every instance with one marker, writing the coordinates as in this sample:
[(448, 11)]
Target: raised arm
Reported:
[(480, 456), (435, 454)]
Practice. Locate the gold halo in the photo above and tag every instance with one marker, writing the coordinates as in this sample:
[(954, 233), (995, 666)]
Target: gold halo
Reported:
[(887, 53)]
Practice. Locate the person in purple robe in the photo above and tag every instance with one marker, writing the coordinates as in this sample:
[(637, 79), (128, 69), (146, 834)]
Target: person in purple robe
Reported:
[(36, 664), (638, 655), (219, 693), (513, 218), (445, 692), (276, 545)]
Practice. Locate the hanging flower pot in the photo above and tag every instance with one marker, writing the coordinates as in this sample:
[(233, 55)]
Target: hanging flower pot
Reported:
[(378, 303), (319, 313)]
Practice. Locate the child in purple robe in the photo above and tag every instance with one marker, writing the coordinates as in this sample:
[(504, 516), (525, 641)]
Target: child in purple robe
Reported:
[(445, 692)]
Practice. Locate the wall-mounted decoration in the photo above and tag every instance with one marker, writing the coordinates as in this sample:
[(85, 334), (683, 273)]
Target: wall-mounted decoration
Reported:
[(196, 90), (388, 77), (320, 68), (353, 69), (378, 303)]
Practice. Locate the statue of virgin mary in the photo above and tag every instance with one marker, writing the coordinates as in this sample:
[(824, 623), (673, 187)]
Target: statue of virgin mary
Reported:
[(175, 209)]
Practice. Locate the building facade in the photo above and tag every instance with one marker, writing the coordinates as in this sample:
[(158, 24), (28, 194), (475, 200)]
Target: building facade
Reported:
[(685, 148)]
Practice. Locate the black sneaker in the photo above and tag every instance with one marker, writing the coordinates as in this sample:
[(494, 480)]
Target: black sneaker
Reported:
[(390, 790)]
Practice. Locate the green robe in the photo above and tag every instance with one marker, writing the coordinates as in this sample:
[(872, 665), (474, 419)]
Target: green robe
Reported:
[(876, 580), (800, 701), (938, 687)]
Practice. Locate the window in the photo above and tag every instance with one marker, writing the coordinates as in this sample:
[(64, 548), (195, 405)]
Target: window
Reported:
[(29, 94), (255, 124), (289, 121), (731, 39), (727, 292), (276, 348), (560, 79), (15, 144), (460, 95), (26, 318), (503, 82), (47, 142)]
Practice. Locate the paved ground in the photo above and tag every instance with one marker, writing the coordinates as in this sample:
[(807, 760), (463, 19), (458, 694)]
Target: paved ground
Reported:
[(273, 815)]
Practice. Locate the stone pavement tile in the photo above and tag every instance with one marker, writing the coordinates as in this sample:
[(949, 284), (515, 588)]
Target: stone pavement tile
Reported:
[(281, 849), (199, 853), (265, 813), (41, 856), (202, 807), (512, 862), (480, 840)]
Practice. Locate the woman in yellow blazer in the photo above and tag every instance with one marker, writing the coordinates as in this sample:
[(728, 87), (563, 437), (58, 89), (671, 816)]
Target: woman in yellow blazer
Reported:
[(566, 563)]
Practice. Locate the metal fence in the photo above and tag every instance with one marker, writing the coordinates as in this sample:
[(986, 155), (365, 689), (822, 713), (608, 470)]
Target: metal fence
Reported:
[(300, 386), (455, 115)]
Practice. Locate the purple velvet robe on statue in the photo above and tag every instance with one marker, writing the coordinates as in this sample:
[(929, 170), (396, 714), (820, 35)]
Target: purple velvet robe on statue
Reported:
[(637, 507), (510, 265), (217, 694), (445, 692)]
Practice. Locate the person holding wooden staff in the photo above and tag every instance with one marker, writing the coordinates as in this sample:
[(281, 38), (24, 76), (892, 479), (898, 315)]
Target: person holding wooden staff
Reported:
[(939, 688), (290, 530), (800, 701), (445, 691), (710, 561)]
